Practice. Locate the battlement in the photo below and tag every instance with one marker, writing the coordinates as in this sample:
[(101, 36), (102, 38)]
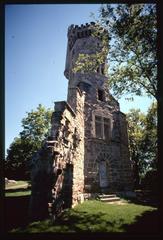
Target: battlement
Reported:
[(83, 31), (73, 28)]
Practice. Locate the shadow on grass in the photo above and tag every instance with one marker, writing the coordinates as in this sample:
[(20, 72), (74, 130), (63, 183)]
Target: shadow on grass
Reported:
[(83, 221), (16, 212), (76, 222), (147, 223)]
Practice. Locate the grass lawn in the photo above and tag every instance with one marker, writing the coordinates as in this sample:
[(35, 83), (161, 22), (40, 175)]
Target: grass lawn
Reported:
[(20, 188), (18, 193), (95, 216)]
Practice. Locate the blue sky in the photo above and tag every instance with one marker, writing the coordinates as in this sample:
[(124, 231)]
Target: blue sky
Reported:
[(35, 53)]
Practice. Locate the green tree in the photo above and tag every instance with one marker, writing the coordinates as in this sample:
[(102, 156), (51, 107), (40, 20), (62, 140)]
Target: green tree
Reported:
[(142, 132), (149, 145), (132, 35), (36, 125), (136, 126), (132, 53), (35, 129), (18, 154)]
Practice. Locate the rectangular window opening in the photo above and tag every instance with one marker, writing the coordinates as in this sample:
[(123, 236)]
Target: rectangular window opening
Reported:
[(101, 95), (102, 128), (98, 127), (106, 129)]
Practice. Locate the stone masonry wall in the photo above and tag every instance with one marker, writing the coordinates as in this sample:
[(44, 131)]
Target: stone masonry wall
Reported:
[(57, 168), (112, 154), (71, 147)]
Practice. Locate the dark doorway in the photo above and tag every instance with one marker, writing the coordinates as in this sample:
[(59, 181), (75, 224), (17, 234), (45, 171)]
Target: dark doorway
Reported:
[(103, 174), (67, 185)]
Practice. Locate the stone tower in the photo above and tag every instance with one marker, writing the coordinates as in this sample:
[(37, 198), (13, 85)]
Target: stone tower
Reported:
[(106, 156), (87, 148)]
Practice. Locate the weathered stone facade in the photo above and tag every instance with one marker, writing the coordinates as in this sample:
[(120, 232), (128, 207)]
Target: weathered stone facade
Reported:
[(88, 141), (106, 155)]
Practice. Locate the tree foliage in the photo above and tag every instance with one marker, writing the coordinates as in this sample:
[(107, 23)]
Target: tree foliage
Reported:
[(132, 35), (150, 137), (136, 126), (142, 132), (36, 125), (18, 154), (35, 129), (132, 53)]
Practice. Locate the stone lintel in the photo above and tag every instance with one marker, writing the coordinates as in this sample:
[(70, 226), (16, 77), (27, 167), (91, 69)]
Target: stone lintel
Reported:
[(60, 106)]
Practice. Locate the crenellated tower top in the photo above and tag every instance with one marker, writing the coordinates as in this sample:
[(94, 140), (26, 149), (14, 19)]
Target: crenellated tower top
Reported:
[(83, 68), (83, 31), (83, 39)]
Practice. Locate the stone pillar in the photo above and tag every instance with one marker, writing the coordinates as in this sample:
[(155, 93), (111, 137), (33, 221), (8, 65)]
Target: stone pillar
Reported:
[(78, 171)]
